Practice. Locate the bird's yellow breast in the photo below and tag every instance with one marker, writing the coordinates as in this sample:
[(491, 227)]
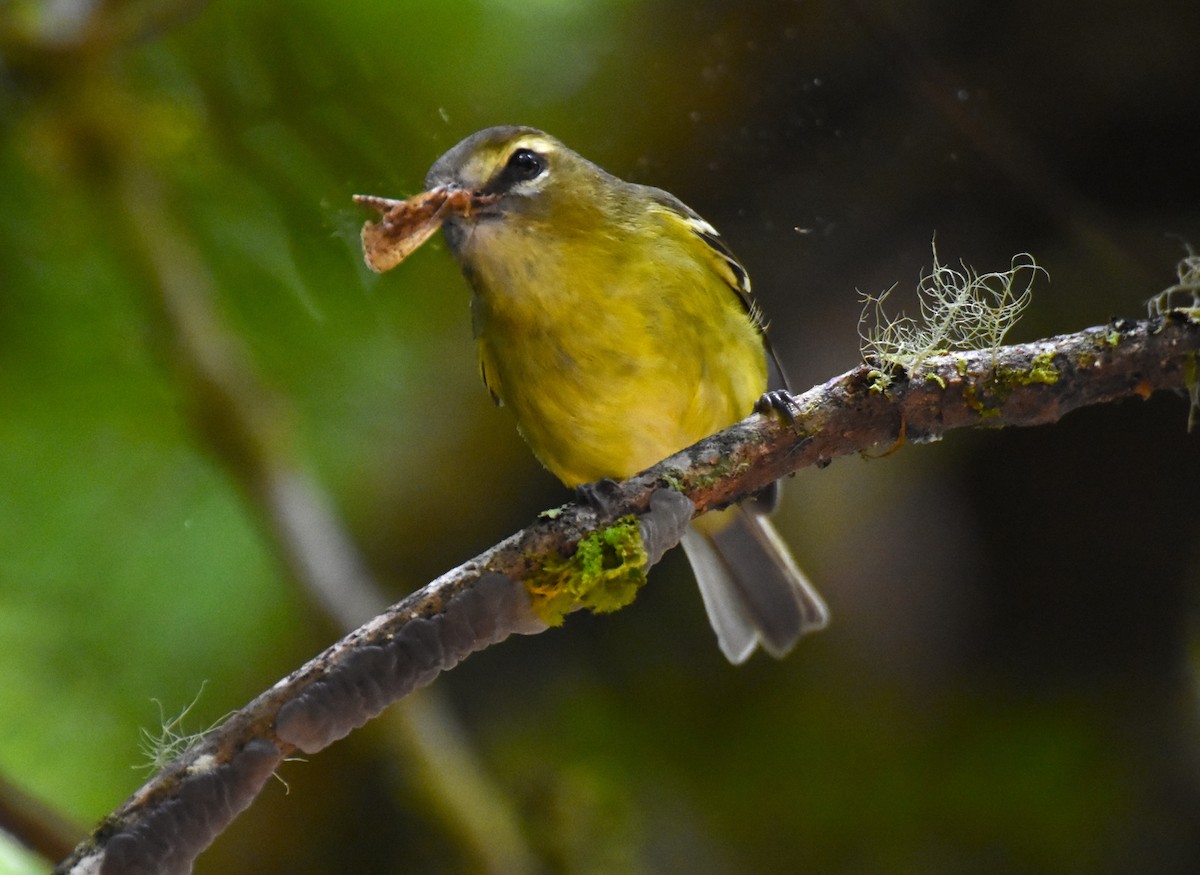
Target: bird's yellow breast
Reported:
[(609, 359)]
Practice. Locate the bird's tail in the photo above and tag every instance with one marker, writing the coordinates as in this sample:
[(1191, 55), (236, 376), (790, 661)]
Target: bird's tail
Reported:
[(751, 587)]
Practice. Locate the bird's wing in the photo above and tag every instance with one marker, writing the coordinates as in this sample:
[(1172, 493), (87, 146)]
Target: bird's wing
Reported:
[(728, 267)]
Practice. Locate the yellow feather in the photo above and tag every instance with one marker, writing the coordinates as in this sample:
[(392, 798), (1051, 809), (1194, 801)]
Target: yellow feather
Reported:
[(611, 363)]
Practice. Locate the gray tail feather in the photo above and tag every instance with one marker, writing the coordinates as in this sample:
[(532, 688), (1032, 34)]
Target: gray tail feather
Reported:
[(751, 587)]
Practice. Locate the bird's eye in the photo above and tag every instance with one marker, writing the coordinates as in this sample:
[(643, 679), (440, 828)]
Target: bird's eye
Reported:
[(525, 164)]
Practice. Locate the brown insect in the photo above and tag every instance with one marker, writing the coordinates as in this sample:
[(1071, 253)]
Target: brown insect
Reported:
[(405, 225)]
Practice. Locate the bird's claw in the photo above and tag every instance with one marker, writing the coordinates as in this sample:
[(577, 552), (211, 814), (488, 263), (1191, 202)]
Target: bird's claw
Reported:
[(601, 496), (778, 401)]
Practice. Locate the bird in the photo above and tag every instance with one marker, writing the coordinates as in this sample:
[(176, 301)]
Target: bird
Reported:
[(618, 327)]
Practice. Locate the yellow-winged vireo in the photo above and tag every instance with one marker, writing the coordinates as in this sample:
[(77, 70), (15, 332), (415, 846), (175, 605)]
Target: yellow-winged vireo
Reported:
[(617, 326)]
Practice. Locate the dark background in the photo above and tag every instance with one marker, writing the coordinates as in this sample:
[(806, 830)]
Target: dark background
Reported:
[(1008, 681)]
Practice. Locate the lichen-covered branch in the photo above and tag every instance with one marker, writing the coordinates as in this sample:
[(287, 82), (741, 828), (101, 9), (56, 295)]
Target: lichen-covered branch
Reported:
[(1025, 384), (170, 820)]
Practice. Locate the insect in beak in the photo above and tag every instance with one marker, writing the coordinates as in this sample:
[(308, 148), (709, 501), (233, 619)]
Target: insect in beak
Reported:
[(405, 225)]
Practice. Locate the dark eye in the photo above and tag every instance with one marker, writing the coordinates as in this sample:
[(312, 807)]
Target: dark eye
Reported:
[(525, 164)]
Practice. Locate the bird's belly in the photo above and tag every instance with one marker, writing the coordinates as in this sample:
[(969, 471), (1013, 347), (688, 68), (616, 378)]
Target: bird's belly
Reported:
[(613, 362), (600, 403)]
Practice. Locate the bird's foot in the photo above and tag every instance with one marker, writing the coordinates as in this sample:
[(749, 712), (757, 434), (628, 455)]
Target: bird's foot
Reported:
[(601, 496), (778, 401)]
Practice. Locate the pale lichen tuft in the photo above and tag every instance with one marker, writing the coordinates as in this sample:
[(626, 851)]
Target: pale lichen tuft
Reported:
[(961, 310), (165, 745), (1183, 294)]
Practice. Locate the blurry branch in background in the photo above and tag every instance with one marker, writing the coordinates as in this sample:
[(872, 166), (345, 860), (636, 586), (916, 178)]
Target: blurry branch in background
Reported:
[(169, 821), (35, 824), (247, 427)]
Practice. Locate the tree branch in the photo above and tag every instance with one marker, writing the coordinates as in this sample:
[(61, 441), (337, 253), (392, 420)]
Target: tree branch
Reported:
[(170, 820)]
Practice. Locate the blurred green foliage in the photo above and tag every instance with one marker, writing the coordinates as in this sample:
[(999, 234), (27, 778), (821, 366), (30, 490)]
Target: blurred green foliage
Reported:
[(1006, 686)]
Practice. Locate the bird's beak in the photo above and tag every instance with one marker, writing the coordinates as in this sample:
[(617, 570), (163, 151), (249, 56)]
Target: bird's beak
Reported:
[(405, 225)]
